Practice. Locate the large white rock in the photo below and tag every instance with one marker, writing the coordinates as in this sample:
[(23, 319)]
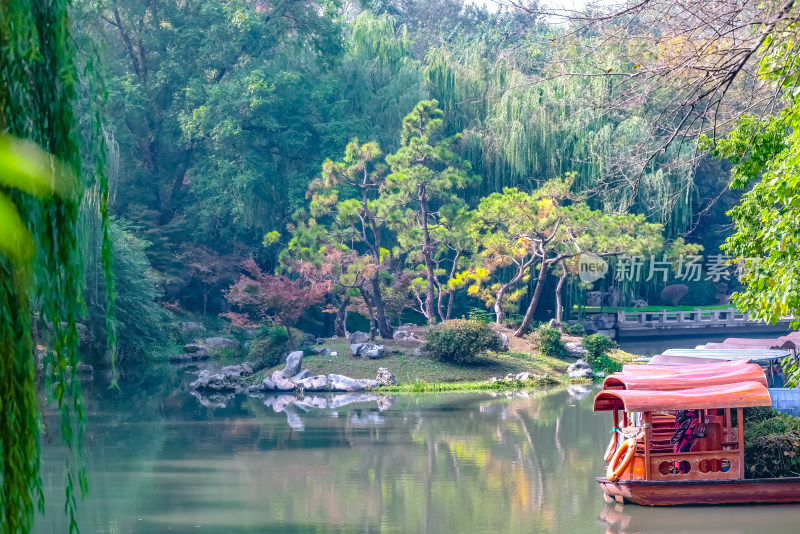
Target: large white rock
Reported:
[(293, 362), (345, 383), (313, 383)]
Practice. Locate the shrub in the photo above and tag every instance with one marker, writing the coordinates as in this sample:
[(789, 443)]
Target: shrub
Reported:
[(461, 341), (549, 342), (674, 293), (576, 329), (773, 455), (268, 348), (596, 345), (480, 315)]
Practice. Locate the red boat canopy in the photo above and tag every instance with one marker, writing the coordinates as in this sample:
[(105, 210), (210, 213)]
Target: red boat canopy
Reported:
[(740, 395), (709, 375), (652, 369)]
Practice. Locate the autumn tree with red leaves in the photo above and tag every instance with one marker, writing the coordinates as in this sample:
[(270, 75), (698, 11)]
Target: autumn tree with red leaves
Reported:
[(263, 297)]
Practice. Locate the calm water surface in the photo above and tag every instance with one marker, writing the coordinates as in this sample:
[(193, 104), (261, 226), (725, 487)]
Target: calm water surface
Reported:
[(160, 460)]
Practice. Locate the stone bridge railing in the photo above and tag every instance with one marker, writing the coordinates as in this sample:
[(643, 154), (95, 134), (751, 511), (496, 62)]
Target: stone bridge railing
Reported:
[(681, 319)]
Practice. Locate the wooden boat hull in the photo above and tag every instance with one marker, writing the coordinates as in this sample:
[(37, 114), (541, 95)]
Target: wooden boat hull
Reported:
[(703, 492)]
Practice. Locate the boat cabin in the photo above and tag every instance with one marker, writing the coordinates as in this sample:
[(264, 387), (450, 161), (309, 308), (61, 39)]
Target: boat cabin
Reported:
[(686, 422)]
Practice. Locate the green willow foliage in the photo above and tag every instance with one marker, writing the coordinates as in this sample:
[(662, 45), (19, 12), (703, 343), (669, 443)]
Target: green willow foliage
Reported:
[(36, 103)]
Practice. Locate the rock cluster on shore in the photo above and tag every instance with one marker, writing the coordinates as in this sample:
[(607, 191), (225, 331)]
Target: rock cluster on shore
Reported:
[(236, 378)]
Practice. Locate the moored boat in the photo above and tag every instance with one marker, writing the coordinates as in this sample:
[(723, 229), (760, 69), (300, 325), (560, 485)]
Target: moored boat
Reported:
[(679, 437)]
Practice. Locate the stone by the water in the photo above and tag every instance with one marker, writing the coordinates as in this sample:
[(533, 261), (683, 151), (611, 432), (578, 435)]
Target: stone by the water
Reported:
[(386, 378), (293, 363)]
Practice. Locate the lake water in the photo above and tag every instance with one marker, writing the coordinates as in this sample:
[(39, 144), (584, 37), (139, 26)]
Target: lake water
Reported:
[(160, 461)]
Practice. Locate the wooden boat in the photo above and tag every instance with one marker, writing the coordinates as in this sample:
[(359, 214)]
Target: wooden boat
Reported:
[(708, 466)]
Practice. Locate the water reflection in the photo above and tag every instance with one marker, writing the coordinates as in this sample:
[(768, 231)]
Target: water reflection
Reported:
[(699, 520), (515, 462)]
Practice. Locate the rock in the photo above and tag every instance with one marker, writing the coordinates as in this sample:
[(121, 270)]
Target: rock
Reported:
[(355, 347), (305, 373), (269, 384), (610, 334), (523, 377), (579, 369), (386, 378), (180, 358), (321, 350), (358, 337), (575, 349), (255, 389), (189, 327), (580, 373), (407, 326), (503, 341), (293, 362), (372, 351), (195, 349), (222, 381), (589, 326), (401, 334), (639, 303), (313, 383), (605, 321), (247, 368), (221, 343), (613, 297), (594, 298), (417, 351), (281, 382), (236, 371), (580, 364), (345, 383), (309, 339)]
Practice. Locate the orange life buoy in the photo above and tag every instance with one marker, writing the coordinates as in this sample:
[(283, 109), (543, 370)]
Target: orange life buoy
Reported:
[(619, 463), (612, 447)]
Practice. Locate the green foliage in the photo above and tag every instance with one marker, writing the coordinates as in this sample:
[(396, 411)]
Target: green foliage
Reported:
[(548, 340), (461, 341), (480, 315), (139, 320), (41, 263), (773, 456), (766, 243), (597, 345), (576, 329), (269, 347)]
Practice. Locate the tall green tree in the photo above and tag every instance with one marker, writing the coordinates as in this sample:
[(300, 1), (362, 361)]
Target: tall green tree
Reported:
[(354, 216), (421, 193)]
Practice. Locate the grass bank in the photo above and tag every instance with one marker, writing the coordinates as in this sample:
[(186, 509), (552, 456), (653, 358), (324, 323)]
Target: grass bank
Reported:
[(421, 373)]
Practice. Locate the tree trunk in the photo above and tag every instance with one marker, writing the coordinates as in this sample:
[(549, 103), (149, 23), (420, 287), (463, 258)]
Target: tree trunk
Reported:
[(498, 306), (526, 322), (372, 320), (449, 306), (559, 287), (380, 310), (340, 324), (427, 250)]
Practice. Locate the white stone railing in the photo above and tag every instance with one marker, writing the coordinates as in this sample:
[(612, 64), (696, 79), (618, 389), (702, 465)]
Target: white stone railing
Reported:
[(680, 319)]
